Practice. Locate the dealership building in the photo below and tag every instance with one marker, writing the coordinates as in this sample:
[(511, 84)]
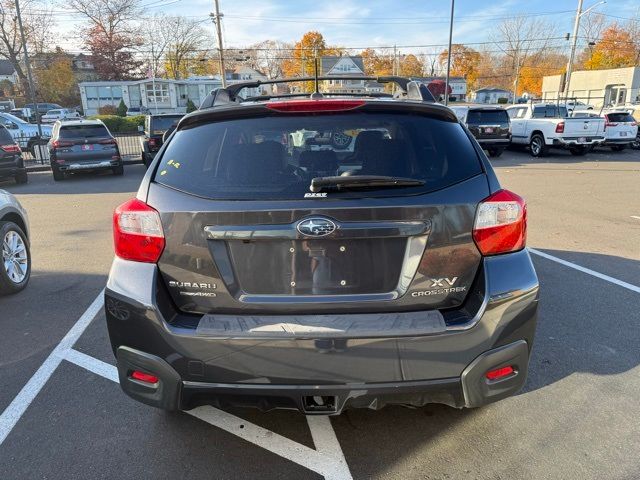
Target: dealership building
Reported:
[(616, 86)]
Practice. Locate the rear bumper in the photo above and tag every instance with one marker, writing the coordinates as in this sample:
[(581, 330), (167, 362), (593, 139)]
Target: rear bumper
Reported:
[(88, 165), (12, 169), (494, 142), (352, 369), (619, 141), (577, 141), (471, 389)]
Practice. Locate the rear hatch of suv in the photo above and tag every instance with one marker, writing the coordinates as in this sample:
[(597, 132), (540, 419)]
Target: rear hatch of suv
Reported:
[(620, 126), (258, 219), (489, 124), (84, 143), (158, 125)]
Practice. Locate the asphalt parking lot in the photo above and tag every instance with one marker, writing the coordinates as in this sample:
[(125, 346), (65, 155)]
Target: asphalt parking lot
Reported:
[(578, 416)]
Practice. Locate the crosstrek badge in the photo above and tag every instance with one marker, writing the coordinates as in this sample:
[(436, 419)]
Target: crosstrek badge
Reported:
[(315, 195)]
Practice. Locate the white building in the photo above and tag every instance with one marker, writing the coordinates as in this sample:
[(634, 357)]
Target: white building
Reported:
[(615, 86), (159, 95)]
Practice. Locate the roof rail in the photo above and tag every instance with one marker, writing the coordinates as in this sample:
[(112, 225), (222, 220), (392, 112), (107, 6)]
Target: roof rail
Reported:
[(409, 89)]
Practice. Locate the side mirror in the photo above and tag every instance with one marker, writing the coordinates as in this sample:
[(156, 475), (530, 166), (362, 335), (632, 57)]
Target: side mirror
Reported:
[(140, 128)]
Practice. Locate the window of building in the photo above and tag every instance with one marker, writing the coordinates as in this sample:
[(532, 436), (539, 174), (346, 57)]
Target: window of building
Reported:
[(157, 93)]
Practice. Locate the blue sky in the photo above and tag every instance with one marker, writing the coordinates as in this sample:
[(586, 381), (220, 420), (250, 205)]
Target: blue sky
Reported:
[(359, 23)]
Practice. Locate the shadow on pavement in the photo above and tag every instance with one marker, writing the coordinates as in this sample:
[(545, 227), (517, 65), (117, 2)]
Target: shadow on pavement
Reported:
[(517, 155), (78, 183)]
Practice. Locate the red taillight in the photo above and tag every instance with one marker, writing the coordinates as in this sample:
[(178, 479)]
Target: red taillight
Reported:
[(152, 142), (10, 148), (137, 232), (560, 127), (499, 373), (144, 377), (610, 124), (304, 106), (501, 223), (60, 143)]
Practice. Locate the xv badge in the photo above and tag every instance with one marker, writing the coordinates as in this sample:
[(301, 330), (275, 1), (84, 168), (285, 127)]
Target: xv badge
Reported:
[(439, 282)]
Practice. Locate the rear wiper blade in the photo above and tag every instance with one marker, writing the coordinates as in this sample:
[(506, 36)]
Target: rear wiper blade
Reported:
[(361, 181)]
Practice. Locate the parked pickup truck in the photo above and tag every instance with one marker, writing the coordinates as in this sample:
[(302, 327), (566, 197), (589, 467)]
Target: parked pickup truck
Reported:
[(26, 134), (544, 126)]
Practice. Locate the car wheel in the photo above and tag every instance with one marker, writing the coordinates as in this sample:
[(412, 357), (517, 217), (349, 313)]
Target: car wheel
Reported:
[(22, 178), (145, 160), (578, 151), (636, 144), (119, 170), (495, 152), (57, 175), (15, 265), (537, 146), (618, 148)]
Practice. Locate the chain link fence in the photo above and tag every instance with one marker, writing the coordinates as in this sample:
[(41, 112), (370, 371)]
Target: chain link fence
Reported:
[(36, 153)]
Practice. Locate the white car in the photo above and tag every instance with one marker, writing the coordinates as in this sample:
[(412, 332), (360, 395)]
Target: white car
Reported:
[(577, 105), (543, 126), (15, 267), (62, 114), (25, 133), (620, 128)]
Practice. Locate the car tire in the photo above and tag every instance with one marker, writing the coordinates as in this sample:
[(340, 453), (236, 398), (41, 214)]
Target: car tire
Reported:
[(618, 148), (57, 175), (119, 170), (145, 160), (578, 151), (636, 144), (12, 277), (537, 146), (495, 152), (21, 178)]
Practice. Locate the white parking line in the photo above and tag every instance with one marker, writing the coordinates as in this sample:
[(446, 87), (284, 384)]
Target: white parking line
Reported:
[(588, 271), (635, 216), (327, 459), (21, 402)]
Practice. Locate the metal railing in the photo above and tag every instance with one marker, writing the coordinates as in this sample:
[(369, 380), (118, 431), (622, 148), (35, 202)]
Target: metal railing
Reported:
[(35, 151)]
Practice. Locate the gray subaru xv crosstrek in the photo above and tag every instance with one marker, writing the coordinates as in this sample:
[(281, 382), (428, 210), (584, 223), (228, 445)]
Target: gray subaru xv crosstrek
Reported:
[(321, 253)]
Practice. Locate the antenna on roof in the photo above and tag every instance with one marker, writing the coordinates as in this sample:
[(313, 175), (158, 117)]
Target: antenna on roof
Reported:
[(316, 94)]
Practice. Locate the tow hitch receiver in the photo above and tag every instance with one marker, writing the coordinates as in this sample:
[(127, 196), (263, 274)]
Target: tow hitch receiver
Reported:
[(317, 404)]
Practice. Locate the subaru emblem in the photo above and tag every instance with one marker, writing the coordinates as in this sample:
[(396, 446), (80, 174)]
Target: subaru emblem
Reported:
[(316, 227)]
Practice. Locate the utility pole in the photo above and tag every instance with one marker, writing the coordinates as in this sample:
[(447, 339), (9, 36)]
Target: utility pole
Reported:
[(574, 41), (217, 19), (446, 83), (32, 91)]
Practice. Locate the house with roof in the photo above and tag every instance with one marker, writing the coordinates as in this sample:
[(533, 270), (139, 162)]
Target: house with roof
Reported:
[(492, 95), (8, 72), (347, 66)]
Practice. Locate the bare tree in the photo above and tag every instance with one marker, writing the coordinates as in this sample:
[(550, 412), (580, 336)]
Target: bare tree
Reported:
[(154, 43), (111, 35), (37, 21), (520, 38), (267, 57), (183, 39), (430, 60), (591, 27)]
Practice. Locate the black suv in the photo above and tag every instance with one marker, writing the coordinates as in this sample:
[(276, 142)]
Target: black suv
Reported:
[(81, 145), (155, 126), (489, 125), (252, 269), (11, 162)]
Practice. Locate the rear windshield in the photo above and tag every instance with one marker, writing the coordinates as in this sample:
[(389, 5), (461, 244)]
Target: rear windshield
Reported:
[(620, 117), (162, 124), (83, 131), (276, 157), (550, 111), (476, 117), (5, 136)]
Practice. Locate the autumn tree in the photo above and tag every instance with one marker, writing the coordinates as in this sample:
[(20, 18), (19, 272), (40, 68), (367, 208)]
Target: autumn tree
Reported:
[(377, 63), (111, 36), (37, 21), (55, 81), (411, 66), (183, 39), (614, 50), (465, 62)]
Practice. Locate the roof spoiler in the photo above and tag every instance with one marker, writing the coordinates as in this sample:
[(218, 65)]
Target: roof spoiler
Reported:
[(409, 89)]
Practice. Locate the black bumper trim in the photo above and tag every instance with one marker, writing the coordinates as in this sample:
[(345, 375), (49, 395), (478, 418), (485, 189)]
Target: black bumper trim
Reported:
[(472, 389)]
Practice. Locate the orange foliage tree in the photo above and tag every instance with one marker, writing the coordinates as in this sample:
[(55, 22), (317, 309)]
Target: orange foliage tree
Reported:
[(614, 50)]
